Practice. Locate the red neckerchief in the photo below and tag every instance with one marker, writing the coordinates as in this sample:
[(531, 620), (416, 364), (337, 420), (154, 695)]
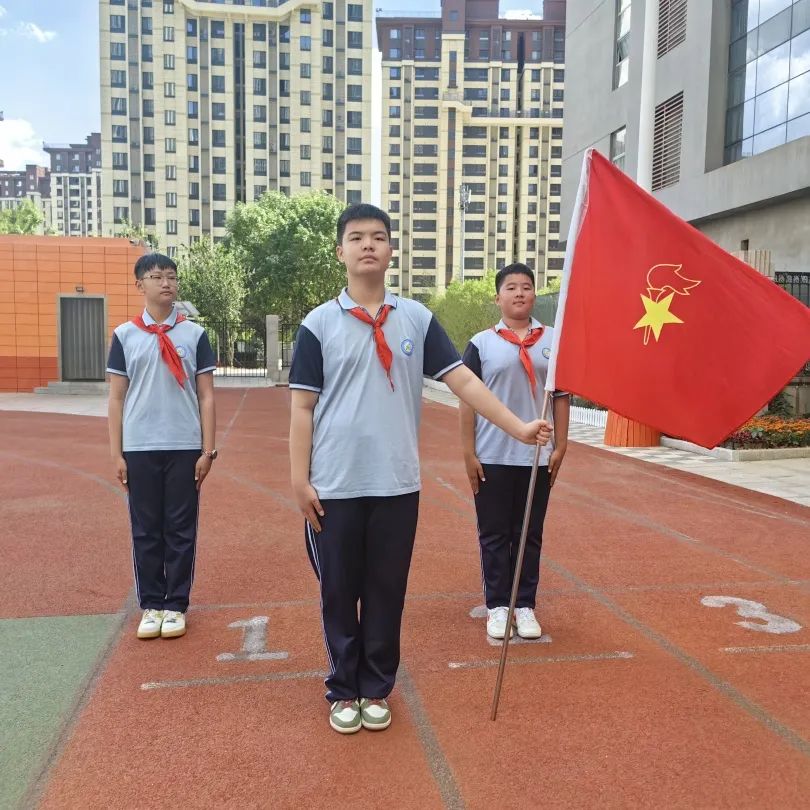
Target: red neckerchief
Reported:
[(524, 345), (168, 351), (383, 350)]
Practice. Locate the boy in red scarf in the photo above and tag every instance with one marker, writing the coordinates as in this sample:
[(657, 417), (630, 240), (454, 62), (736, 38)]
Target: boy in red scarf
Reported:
[(356, 383), (162, 428), (512, 360)]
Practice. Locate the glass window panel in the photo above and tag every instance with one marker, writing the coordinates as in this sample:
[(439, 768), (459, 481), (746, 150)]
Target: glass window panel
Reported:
[(769, 139), (774, 32), (753, 13), (799, 96), (736, 54), (740, 122), (773, 68), (798, 128), (767, 8), (741, 85), (771, 108), (748, 147), (801, 16), (739, 20), (800, 54)]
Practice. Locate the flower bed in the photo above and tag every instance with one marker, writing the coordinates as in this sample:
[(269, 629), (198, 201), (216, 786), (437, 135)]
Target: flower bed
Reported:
[(770, 432)]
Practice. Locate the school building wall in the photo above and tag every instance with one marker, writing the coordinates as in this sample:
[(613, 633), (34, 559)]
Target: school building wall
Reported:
[(34, 272)]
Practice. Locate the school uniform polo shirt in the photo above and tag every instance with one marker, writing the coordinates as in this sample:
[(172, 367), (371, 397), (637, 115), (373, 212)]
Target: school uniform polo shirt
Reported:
[(366, 435), (158, 413), (497, 363)]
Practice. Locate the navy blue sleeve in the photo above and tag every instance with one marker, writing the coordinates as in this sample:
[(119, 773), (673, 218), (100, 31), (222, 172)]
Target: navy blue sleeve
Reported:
[(116, 362), (440, 354), (205, 355), (306, 369), (472, 359)]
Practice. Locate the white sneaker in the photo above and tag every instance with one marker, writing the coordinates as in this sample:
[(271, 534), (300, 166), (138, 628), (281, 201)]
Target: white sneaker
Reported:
[(174, 624), (150, 625), (527, 624), (496, 622)]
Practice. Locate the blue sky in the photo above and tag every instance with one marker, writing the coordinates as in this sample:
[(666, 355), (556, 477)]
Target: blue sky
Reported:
[(50, 48)]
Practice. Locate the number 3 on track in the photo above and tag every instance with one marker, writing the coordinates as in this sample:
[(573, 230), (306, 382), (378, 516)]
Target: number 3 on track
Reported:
[(768, 622)]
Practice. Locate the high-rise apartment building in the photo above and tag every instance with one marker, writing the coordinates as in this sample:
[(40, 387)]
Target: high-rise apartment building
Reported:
[(31, 183), (472, 141), (76, 187), (707, 104), (207, 103)]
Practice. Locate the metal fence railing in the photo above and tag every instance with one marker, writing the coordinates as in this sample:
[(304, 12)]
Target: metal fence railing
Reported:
[(239, 346), (287, 331), (795, 283)]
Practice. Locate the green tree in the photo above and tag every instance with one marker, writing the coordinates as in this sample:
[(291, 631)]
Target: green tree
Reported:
[(26, 218), (212, 280), (126, 230), (287, 246), (466, 308)]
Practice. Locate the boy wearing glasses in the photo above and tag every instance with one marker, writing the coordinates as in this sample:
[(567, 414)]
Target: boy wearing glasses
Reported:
[(162, 426)]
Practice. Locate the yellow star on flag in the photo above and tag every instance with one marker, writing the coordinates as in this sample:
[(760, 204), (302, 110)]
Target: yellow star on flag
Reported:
[(657, 314)]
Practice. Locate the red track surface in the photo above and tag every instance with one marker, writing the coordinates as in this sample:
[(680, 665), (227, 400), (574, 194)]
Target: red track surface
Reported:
[(676, 720)]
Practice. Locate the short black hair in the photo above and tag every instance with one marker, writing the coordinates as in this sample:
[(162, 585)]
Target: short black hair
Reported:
[(149, 261), (361, 211), (516, 269)]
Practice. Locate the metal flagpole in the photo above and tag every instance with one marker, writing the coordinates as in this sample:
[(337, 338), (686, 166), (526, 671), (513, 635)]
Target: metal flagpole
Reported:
[(518, 566)]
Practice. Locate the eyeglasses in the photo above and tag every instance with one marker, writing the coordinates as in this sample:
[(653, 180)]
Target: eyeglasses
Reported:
[(159, 278)]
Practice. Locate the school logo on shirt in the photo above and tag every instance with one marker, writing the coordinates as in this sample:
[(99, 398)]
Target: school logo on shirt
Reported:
[(407, 347), (546, 352), (182, 352)]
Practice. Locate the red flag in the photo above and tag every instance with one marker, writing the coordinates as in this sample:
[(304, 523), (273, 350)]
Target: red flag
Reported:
[(659, 324)]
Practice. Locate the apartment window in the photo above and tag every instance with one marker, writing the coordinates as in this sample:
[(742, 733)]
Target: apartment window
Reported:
[(426, 112), (666, 168), (260, 87), (305, 43), (218, 111), (328, 11), (219, 192), (326, 118), (217, 29), (284, 61), (168, 33), (284, 168), (118, 78), (259, 32), (169, 61), (118, 24), (193, 109), (355, 12), (218, 218), (146, 26), (327, 92), (218, 56), (193, 163), (354, 39), (260, 59), (306, 125), (260, 140), (218, 137), (326, 171), (327, 144), (119, 133), (120, 188), (284, 33), (617, 147), (306, 16), (148, 163), (171, 226), (171, 172), (305, 70), (327, 38), (393, 92), (672, 24), (219, 165), (621, 59), (394, 111), (354, 119), (118, 50), (354, 67), (194, 191), (354, 146), (306, 98), (258, 191), (191, 28), (393, 131), (284, 88), (354, 171), (171, 199), (426, 93), (354, 92), (327, 66), (193, 136), (284, 115), (170, 144), (118, 106), (191, 82), (425, 131), (217, 84), (120, 213), (169, 89), (305, 179), (259, 113), (146, 53)]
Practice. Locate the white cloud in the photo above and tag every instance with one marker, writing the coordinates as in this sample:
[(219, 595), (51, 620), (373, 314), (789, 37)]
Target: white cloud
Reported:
[(33, 31), (19, 144), (2, 11), (522, 14)]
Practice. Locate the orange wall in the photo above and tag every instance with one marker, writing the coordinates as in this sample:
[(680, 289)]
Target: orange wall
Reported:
[(34, 270)]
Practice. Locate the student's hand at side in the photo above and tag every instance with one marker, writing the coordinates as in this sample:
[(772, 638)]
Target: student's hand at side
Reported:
[(538, 431), (554, 463), (475, 472), (121, 471), (201, 470), (308, 503)]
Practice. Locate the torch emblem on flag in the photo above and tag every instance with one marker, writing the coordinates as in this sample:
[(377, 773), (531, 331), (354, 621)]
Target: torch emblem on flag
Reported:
[(664, 282)]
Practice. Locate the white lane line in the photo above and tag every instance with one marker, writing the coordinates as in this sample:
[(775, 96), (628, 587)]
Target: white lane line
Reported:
[(551, 659), (768, 649)]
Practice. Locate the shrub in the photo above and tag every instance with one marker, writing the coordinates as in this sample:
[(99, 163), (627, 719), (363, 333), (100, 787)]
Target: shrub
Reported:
[(770, 431)]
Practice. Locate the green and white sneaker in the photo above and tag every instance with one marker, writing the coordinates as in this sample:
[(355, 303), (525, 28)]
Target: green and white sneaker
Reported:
[(150, 625), (344, 716), (375, 714)]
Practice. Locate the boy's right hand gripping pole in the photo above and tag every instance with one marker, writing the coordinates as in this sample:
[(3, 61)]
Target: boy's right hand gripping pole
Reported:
[(518, 567)]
